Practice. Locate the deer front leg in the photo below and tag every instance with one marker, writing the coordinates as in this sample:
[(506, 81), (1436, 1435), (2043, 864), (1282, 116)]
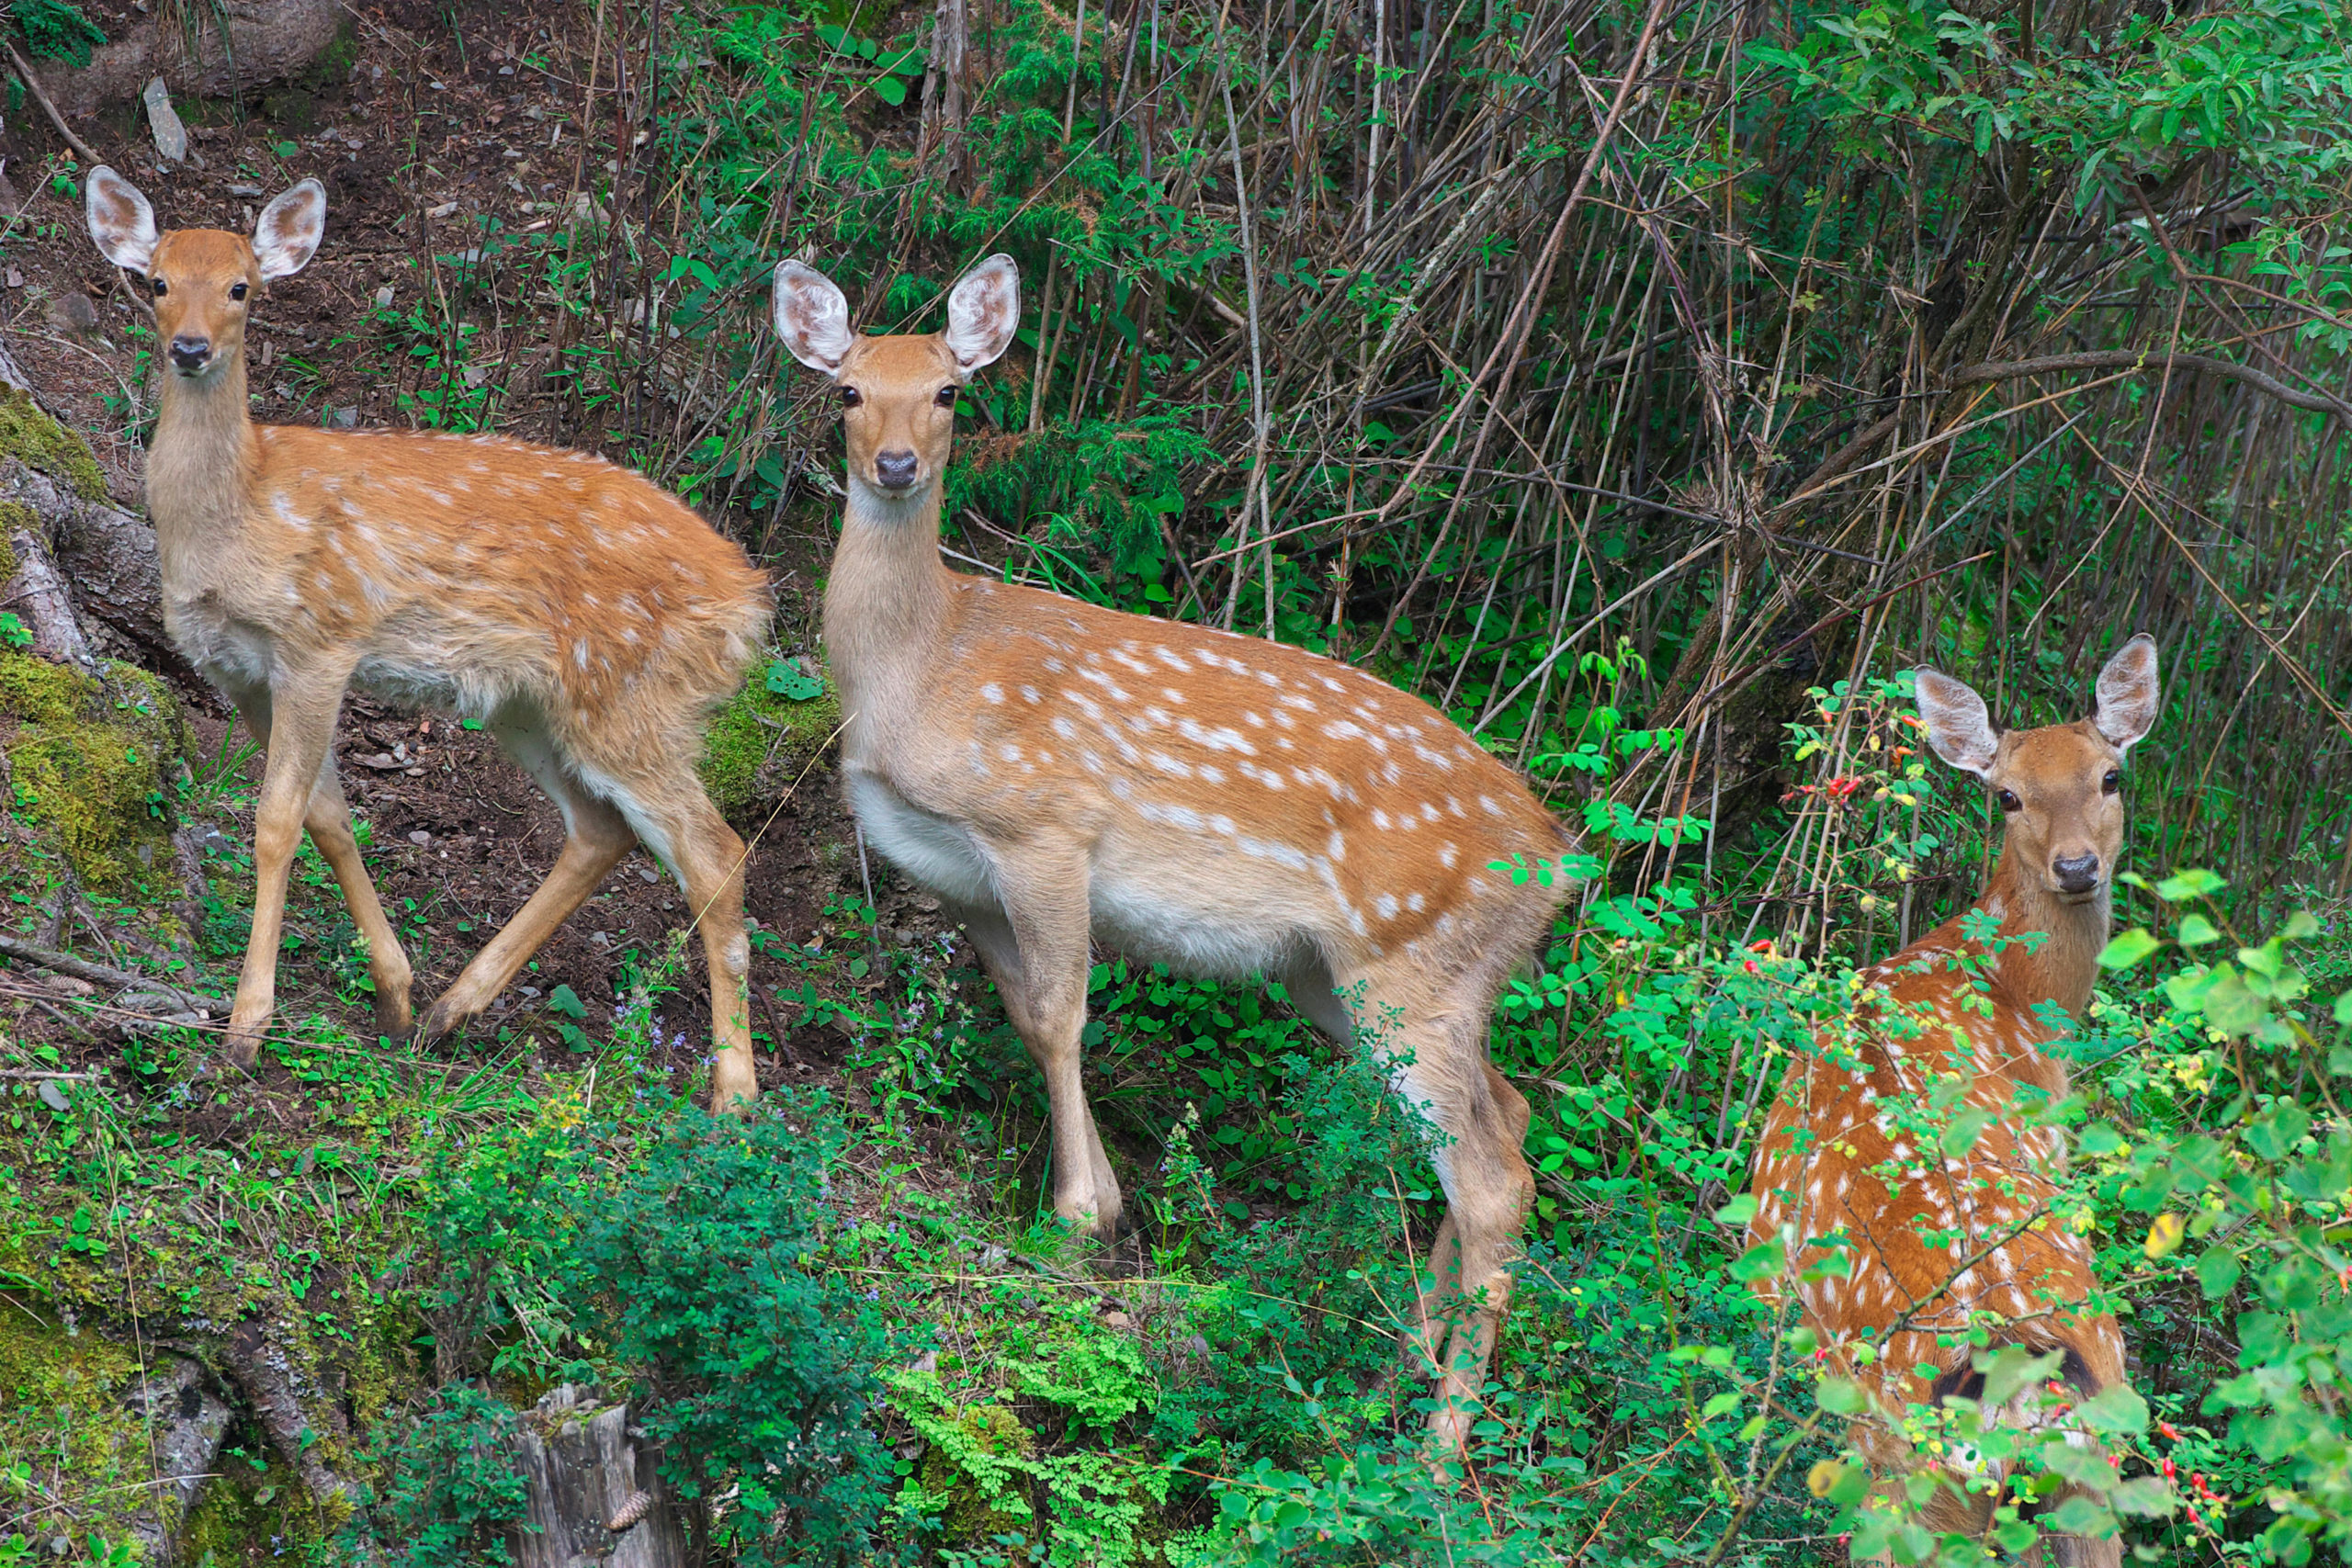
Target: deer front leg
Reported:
[(299, 727), (1035, 948), (328, 818)]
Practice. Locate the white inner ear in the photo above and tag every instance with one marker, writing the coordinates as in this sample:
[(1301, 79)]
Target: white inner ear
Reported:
[(120, 219), (289, 229), (2129, 695), (1959, 727), (811, 316), (982, 313)]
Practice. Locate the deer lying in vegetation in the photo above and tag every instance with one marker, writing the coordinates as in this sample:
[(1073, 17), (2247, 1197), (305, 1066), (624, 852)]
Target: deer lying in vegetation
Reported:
[(1903, 1233), (588, 619), (1059, 773)]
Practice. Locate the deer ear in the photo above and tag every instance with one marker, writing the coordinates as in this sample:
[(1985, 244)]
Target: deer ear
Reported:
[(288, 233), (982, 312), (813, 317), (2129, 696), (121, 221), (1958, 727)]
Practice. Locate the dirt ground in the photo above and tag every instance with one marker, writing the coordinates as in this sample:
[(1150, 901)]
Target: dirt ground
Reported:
[(428, 135)]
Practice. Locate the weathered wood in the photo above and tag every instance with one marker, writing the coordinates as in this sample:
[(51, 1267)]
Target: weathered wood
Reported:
[(271, 41), (587, 1474)]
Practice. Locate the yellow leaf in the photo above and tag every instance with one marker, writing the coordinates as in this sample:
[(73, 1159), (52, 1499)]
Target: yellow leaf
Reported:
[(1824, 1475), (2163, 1237)]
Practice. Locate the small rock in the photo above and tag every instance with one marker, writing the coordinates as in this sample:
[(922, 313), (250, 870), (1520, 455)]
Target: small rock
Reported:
[(420, 837), (170, 136), (600, 939), (74, 314), (382, 762), (54, 1097), (15, 278), (244, 190), (344, 419), (528, 990), (447, 208), (413, 773), (992, 1255), (1117, 1321), (400, 751), (648, 873), (384, 298), (1197, 1346)]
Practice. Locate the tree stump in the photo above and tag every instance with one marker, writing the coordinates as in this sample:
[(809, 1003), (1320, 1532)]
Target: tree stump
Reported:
[(588, 1475)]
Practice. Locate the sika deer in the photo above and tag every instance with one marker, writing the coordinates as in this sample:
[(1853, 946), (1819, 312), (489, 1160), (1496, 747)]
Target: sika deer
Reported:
[(587, 618), (1056, 772), (1938, 1240)]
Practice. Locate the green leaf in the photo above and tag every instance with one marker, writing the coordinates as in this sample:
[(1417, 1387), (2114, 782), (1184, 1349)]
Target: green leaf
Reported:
[(1739, 1211), (793, 683), (889, 89), (2217, 1271), (566, 1000), (2344, 1008), (2127, 948), (2183, 886), (2195, 931), (1840, 1396)]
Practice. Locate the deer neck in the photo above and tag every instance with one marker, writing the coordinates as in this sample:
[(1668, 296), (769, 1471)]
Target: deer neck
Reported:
[(888, 607), (201, 465), (2065, 966)]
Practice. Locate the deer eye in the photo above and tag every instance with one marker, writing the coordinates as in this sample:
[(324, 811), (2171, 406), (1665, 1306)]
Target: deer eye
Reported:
[(852, 396), (946, 397), (236, 291), (159, 286), (2113, 781), (2009, 801)]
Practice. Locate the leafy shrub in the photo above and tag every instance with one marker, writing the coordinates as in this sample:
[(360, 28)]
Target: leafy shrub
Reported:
[(57, 29), (674, 1256), (449, 1499)]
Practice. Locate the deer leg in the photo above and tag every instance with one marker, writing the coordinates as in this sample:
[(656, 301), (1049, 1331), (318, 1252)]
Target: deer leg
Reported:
[(1035, 948), (595, 839), (1489, 1192), (709, 858), (299, 729), (329, 821)]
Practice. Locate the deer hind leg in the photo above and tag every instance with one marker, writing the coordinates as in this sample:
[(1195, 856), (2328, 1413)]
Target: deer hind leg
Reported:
[(596, 838), (680, 825), (1482, 1122), (1036, 949), (296, 724), (328, 818)]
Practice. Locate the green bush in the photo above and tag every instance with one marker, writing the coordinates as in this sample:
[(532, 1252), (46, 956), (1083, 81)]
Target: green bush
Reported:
[(673, 1258), (449, 1499)]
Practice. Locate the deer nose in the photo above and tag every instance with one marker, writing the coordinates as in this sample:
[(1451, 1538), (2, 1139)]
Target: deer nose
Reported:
[(191, 352), (2077, 873), (895, 471)]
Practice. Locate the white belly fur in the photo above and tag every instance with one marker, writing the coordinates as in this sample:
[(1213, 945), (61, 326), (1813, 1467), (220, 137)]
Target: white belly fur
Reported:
[(1128, 910)]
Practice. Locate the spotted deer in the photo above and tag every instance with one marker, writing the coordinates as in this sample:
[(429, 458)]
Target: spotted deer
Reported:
[(1057, 772), (586, 618), (1902, 1238)]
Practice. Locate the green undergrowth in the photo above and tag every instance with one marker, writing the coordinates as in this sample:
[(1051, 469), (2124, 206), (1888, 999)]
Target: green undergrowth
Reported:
[(861, 1338)]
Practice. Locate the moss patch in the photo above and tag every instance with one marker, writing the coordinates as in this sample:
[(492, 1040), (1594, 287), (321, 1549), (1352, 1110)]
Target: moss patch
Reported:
[(62, 1413), (254, 1510), (37, 441), (89, 758), (760, 741)]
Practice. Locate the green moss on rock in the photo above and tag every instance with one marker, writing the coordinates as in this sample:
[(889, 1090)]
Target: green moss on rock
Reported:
[(89, 757), (760, 741), (63, 1413), (254, 1510), (34, 439)]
